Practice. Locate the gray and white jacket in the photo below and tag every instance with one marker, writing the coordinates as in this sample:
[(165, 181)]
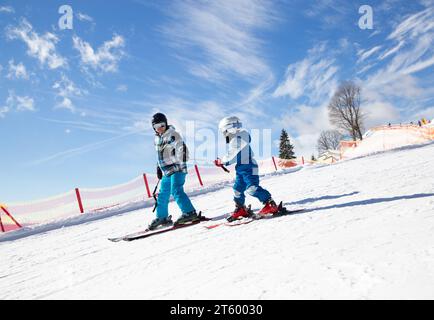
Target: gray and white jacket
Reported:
[(172, 152)]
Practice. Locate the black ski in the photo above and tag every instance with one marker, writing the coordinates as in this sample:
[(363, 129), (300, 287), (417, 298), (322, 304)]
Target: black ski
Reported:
[(148, 233)]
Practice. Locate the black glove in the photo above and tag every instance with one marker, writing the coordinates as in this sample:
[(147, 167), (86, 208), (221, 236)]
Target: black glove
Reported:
[(159, 173)]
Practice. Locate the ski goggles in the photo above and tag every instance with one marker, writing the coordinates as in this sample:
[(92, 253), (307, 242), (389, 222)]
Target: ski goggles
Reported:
[(159, 125)]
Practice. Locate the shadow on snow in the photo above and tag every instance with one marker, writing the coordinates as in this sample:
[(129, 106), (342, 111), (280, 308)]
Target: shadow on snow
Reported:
[(360, 202)]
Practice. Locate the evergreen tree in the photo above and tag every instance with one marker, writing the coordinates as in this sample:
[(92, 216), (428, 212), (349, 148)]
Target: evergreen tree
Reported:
[(286, 149)]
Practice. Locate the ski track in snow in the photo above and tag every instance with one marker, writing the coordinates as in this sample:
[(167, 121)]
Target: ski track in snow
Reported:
[(368, 233)]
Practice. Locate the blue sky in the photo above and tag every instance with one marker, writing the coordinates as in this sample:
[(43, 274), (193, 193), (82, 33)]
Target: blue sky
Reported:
[(75, 105)]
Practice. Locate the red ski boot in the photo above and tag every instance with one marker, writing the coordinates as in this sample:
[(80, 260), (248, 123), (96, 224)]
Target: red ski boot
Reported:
[(239, 213), (270, 208)]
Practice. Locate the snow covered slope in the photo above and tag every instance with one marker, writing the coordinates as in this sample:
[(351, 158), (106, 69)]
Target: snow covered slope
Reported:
[(368, 233), (385, 138)]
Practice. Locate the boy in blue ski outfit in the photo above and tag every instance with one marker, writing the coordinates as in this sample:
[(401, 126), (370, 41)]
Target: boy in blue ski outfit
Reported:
[(247, 178), (171, 170)]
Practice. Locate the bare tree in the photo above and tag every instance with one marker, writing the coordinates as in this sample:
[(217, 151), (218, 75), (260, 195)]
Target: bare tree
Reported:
[(344, 109), (329, 140)]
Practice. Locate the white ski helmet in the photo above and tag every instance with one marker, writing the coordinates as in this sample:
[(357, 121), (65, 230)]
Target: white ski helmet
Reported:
[(229, 125)]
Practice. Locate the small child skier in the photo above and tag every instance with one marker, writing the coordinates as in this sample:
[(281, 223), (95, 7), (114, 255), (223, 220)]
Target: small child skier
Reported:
[(171, 170), (247, 178)]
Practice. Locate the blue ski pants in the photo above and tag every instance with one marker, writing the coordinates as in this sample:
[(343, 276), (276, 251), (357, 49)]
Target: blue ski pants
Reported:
[(247, 180), (173, 185)]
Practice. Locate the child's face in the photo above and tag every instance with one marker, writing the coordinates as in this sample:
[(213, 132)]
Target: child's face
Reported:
[(160, 128)]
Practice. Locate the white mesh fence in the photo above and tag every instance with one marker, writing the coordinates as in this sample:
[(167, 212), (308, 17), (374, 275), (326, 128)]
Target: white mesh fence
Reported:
[(46, 210), (101, 199), (139, 190)]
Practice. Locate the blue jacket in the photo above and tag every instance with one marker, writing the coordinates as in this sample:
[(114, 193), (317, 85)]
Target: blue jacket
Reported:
[(239, 152), (172, 152)]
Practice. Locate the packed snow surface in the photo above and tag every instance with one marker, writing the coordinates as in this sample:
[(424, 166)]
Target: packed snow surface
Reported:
[(367, 233)]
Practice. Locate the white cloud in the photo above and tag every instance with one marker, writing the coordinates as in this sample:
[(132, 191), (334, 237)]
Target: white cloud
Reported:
[(66, 90), (308, 120), (66, 103), (427, 3), (406, 59), (385, 85), (41, 47), (318, 7), (314, 77), (84, 17), (6, 9), (328, 13), (25, 103), (392, 50), (391, 91), (17, 71), (3, 111), (427, 113), (365, 68), (306, 123), (375, 32), (411, 45), (17, 103), (344, 44), (103, 126), (313, 80), (208, 73), (414, 26), (295, 81), (418, 66), (122, 88), (364, 54), (106, 58), (379, 113), (221, 36), (180, 110), (63, 155), (257, 92)]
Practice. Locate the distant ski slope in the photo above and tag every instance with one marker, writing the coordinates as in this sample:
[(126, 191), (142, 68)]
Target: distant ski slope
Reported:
[(368, 233), (383, 139)]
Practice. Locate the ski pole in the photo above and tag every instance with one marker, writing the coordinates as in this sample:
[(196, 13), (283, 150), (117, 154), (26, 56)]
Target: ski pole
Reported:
[(221, 166), (207, 160), (224, 168), (155, 197)]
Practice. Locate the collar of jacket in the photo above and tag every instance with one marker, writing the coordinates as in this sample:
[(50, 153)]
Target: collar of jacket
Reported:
[(168, 131)]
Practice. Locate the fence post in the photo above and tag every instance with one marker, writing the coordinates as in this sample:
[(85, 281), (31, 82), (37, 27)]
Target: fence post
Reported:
[(147, 185), (80, 203), (198, 174), (274, 162), (10, 216), (1, 223)]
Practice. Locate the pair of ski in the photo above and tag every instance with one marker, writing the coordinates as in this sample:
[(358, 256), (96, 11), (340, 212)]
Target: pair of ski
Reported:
[(147, 233), (254, 216), (282, 211)]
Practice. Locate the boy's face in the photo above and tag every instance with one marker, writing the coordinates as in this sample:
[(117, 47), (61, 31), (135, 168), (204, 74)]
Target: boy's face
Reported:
[(160, 128)]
